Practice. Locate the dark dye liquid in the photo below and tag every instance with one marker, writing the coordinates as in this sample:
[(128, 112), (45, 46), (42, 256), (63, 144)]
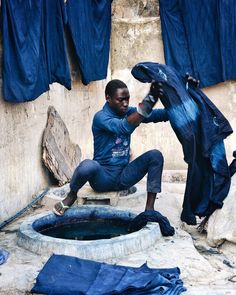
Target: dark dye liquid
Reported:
[(88, 230)]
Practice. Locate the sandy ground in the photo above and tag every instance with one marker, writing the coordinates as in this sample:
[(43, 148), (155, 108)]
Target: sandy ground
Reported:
[(204, 270)]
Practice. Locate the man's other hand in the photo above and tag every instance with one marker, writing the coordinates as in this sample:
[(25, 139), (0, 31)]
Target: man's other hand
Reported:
[(156, 90), (149, 101), (191, 80)]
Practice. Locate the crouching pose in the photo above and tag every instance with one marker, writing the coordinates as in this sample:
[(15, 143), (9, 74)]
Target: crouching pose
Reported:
[(110, 169)]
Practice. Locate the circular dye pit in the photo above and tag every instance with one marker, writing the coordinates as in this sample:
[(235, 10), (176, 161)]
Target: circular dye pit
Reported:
[(89, 232)]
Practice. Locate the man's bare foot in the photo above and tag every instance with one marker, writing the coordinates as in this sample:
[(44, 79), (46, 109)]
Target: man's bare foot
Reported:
[(61, 207)]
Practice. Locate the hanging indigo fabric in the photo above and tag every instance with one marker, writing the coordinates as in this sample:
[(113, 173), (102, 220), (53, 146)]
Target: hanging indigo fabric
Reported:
[(200, 128), (34, 53), (89, 23), (199, 38)]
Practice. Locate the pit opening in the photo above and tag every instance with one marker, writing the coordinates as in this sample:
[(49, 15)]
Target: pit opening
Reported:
[(100, 233), (87, 230)]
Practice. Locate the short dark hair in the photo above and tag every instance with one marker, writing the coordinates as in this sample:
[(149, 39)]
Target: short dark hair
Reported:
[(113, 85)]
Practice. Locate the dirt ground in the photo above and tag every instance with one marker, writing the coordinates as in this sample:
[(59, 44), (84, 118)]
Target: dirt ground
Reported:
[(204, 270)]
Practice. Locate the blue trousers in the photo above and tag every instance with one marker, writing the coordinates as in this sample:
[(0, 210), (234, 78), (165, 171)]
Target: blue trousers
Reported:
[(114, 178)]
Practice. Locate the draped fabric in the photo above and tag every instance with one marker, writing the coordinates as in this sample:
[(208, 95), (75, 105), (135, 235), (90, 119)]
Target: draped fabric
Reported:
[(152, 216), (200, 128), (89, 23), (67, 275), (34, 52), (199, 38)]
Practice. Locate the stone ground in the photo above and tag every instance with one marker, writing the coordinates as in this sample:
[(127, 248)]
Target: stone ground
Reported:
[(204, 270)]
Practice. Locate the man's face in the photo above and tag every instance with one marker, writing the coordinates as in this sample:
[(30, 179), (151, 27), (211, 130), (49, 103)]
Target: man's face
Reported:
[(119, 102)]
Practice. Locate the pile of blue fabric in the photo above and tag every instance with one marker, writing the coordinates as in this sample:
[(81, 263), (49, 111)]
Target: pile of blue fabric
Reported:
[(67, 275)]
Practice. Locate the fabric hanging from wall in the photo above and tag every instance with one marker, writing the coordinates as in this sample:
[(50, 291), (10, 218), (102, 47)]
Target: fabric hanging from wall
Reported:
[(89, 23), (57, 61), (34, 52), (201, 129), (67, 275), (199, 38)]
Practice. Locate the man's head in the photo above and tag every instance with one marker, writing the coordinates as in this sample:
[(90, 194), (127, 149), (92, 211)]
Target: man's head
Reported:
[(117, 96)]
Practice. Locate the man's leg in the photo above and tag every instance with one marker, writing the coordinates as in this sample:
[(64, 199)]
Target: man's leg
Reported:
[(86, 171), (150, 163)]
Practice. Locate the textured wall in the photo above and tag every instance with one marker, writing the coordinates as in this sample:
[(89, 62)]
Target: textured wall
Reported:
[(136, 36)]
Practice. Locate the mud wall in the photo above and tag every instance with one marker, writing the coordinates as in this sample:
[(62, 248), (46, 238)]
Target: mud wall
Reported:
[(136, 36)]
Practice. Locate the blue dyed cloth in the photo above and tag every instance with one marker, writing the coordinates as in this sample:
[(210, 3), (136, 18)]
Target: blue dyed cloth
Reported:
[(66, 275), (3, 256), (199, 38), (34, 52), (89, 23), (152, 216), (200, 128)]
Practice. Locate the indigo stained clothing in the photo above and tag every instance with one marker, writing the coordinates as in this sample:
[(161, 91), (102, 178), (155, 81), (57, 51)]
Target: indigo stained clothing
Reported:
[(200, 128), (89, 23), (152, 216), (105, 178), (110, 168), (86, 277), (112, 133), (34, 53), (200, 41)]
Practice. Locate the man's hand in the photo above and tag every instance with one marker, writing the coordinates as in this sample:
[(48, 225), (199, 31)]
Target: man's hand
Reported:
[(156, 90), (191, 80), (145, 107)]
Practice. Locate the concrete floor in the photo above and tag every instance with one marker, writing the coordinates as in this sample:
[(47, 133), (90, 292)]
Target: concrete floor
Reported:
[(204, 270)]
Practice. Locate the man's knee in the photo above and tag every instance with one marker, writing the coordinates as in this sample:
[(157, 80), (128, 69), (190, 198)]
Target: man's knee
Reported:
[(87, 168), (156, 156)]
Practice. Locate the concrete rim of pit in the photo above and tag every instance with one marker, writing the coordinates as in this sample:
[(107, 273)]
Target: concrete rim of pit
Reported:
[(99, 250)]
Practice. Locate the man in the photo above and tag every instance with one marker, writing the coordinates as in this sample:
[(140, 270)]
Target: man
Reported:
[(112, 127)]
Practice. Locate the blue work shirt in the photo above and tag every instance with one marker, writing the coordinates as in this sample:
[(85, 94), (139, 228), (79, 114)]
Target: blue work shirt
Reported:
[(112, 134)]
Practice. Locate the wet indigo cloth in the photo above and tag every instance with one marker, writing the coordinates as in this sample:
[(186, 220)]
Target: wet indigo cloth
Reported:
[(199, 38), (152, 216), (67, 275), (200, 127), (34, 52), (89, 24)]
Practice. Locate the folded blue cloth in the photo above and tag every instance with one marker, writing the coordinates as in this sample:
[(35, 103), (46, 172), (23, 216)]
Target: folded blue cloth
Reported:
[(152, 216), (67, 275)]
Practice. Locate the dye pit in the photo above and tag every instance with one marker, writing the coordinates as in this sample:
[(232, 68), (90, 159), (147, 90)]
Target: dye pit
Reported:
[(88, 230)]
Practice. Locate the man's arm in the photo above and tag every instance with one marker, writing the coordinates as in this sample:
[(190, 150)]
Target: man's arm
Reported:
[(105, 122), (145, 111), (157, 115)]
